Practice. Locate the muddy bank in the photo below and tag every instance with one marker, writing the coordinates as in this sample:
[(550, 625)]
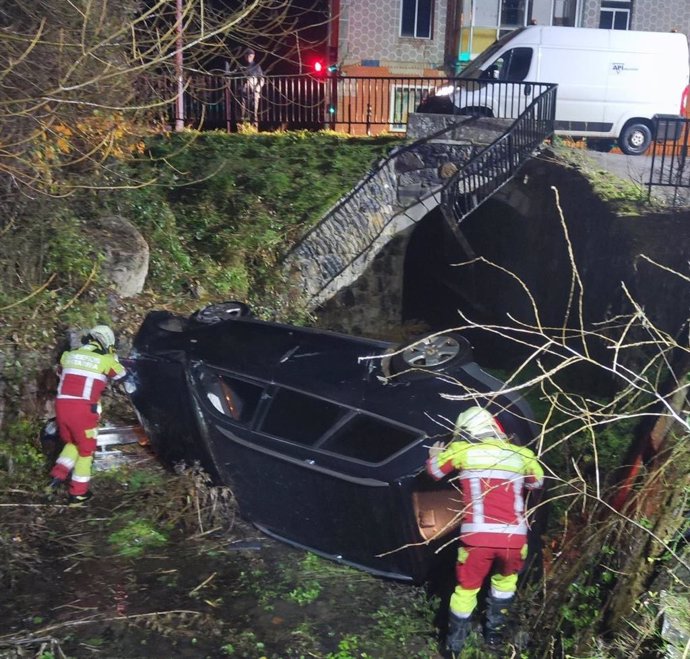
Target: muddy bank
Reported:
[(150, 570)]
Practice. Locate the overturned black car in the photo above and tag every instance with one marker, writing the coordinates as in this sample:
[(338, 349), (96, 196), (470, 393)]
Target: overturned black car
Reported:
[(323, 437)]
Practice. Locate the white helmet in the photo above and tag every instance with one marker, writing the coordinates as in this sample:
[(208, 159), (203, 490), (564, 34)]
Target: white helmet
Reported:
[(104, 336), (478, 423)]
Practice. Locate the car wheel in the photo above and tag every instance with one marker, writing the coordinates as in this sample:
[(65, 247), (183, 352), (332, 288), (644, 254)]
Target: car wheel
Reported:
[(436, 352), (635, 138), (477, 111), (217, 313), (436, 105)]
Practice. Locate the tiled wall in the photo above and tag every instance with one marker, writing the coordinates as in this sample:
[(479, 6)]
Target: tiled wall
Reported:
[(369, 33), (653, 15)]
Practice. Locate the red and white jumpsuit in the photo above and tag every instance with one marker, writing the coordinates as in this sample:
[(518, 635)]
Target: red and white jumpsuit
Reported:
[(493, 474), (84, 374)]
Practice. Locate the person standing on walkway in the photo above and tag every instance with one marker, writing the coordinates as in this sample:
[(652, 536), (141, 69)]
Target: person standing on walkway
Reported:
[(493, 474), (251, 87), (84, 374)]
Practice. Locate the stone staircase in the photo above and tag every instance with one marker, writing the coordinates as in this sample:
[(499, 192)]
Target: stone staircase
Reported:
[(399, 191)]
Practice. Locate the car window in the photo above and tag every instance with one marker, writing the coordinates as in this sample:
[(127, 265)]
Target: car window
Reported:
[(513, 64), (518, 64), (231, 396), (369, 439), (300, 418)]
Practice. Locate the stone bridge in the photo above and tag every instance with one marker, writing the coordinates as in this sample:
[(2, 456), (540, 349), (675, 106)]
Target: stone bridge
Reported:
[(399, 192)]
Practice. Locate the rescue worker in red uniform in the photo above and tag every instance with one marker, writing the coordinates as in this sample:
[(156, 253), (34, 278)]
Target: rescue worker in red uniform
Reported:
[(493, 474), (84, 374)]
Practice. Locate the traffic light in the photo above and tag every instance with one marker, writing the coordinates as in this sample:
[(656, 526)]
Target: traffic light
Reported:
[(320, 69)]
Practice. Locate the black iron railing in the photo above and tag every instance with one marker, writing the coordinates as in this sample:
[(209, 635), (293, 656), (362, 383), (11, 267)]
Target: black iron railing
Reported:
[(495, 165), (475, 181), (299, 102), (669, 160), (357, 104)]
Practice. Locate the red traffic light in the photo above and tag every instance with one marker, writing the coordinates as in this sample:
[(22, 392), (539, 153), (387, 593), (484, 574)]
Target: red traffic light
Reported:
[(318, 66)]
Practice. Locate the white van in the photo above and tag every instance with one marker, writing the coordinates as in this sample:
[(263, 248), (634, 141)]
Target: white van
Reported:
[(610, 82)]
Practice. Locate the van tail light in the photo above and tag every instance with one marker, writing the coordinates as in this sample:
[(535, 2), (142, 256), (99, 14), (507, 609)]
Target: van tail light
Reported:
[(684, 102)]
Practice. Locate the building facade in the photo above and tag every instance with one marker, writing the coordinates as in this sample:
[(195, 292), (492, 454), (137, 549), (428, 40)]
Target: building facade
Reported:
[(436, 37)]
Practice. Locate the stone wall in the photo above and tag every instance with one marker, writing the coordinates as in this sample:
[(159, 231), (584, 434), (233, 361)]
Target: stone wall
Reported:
[(520, 230), (399, 191)]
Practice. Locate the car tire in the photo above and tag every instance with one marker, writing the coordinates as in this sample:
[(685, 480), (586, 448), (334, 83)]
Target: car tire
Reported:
[(635, 138), (433, 353), (436, 105), (217, 313), (476, 111)]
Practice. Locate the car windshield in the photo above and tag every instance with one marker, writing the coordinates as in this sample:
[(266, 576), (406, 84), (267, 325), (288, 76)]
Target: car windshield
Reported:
[(474, 68)]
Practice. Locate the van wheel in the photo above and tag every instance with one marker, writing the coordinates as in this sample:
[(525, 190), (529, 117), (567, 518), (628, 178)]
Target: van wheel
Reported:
[(635, 138), (216, 313), (433, 353)]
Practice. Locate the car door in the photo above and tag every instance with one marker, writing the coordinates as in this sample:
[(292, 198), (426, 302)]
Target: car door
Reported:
[(511, 69)]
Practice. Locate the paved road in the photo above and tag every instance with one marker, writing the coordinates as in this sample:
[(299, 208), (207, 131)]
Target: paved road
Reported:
[(637, 169)]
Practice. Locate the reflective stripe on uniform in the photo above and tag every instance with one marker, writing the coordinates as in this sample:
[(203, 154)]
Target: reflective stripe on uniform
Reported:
[(494, 474), (499, 458), (65, 462), (89, 377), (463, 601), (503, 587), (477, 499), (433, 469), (483, 527)]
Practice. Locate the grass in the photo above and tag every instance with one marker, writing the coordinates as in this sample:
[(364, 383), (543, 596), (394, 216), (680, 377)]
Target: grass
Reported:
[(623, 196)]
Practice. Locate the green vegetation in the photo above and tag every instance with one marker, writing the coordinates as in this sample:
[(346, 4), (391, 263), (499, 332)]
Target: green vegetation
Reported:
[(218, 211), (623, 196), (225, 208), (136, 537)]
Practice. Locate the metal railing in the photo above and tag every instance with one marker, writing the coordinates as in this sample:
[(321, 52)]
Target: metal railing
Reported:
[(216, 101), (475, 181), (357, 104), (669, 166), (495, 165)]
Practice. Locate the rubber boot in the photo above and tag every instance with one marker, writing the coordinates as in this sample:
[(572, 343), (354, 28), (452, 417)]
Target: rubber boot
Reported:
[(458, 629), (497, 617)]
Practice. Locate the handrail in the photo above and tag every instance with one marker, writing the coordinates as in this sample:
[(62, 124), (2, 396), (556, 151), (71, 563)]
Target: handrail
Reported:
[(359, 104), (495, 165)]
